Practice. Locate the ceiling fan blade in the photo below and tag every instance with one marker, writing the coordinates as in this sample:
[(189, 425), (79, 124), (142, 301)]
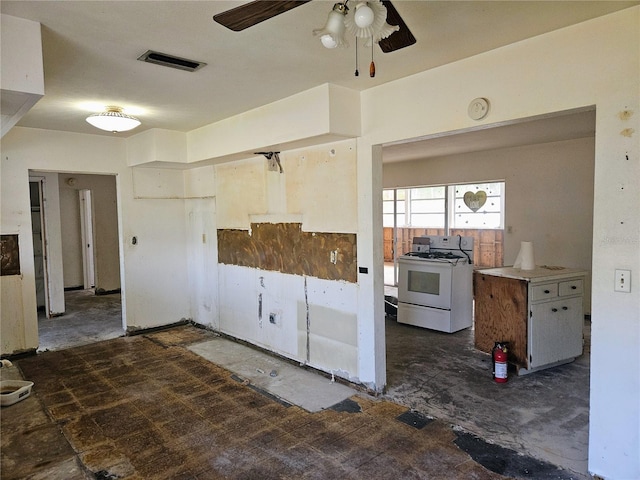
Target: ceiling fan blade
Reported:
[(252, 13), (397, 40)]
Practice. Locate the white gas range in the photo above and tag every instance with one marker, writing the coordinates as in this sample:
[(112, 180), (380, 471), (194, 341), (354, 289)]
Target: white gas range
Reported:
[(435, 283)]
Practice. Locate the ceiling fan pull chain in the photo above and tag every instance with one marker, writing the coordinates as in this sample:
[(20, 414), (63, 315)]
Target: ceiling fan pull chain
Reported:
[(372, 67), (357, 73)]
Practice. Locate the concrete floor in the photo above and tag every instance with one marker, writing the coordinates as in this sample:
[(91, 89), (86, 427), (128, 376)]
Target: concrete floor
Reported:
[(543, 415), (88, 318)]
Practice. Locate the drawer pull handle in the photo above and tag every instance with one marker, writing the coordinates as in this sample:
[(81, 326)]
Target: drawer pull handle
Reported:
[(554, 310), (565, 308), (547, 291), (573, 287)]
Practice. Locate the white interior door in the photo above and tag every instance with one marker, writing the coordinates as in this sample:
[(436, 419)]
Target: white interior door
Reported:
[(86, 229)]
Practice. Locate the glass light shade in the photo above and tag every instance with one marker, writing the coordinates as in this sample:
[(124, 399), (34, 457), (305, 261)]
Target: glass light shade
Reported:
[(377, 29), (363, 15), (113, 120), (328, 41), (334, 28)]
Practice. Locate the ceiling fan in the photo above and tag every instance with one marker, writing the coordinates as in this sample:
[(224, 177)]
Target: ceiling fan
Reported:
[(258, 11)]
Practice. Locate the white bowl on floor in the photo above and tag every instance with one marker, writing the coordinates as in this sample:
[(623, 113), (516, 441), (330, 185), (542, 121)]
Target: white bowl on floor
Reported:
[(12, 391)]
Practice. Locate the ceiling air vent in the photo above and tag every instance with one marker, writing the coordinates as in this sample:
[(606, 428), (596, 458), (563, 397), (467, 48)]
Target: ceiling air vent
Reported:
[(170, 61)]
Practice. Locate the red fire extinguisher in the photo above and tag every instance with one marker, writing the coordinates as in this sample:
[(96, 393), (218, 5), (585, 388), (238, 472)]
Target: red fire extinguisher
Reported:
[(499, 354)]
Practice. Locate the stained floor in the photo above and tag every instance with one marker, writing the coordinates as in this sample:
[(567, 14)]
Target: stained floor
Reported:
[(543, 415), (146, 407)]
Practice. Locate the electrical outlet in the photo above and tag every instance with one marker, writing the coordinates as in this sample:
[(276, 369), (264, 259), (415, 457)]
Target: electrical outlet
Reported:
[(275, 318), (622, 281)]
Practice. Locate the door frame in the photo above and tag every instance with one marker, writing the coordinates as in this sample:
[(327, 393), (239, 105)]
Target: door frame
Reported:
[(41, 182)]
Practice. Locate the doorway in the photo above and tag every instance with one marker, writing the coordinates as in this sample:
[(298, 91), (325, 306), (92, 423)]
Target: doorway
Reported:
[(84, 239), (443, 374)]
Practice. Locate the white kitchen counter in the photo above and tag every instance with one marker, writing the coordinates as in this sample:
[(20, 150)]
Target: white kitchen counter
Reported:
[(541, 273)]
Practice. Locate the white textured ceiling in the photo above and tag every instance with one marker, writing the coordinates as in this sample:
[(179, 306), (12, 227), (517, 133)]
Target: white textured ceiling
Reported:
[(561, 126), (90, 50)]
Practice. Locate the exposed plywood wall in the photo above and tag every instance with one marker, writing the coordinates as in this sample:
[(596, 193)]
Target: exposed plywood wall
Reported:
[(285, 248), (501, 315)]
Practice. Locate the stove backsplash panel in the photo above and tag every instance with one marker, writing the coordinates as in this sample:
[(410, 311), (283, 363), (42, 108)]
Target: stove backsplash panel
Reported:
[(285, 248)]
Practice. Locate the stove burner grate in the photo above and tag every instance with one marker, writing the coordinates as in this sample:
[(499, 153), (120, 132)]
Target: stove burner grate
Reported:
[(434, 255)]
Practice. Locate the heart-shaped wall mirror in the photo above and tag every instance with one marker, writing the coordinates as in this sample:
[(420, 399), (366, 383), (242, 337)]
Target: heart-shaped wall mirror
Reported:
[(476, 200)]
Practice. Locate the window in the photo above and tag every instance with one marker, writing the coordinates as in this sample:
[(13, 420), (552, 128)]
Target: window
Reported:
[(442, 210), (427, 207), (474, 206), (414, 207), (485, 209), (388, 200)]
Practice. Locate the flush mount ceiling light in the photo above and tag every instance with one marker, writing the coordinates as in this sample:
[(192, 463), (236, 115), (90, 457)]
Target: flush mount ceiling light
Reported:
[(113, 120)]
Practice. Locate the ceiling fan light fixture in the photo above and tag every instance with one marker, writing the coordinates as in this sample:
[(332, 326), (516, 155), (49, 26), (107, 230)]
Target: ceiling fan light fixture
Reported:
[(332, 35), (377, 29), (328, 41), (363, 16), (113, 120)]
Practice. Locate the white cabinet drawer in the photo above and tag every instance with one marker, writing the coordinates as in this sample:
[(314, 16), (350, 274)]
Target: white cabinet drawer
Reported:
[(544, 292), (570, 287)]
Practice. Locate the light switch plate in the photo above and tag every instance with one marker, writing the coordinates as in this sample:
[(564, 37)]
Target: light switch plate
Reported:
[(622, 282)]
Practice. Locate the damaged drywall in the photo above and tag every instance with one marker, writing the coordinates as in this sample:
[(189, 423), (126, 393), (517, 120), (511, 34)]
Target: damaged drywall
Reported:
[(285, 248), (10, 255)]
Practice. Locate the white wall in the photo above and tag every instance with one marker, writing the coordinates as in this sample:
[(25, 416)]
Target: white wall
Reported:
[(316, 320), (593, 63), (22, 80), (156, 280), (202, 245), (72, 261), (153, 272), (548, 195)]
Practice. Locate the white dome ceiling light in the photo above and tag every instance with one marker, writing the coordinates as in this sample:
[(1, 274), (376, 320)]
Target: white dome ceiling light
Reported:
[(113, 120)]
